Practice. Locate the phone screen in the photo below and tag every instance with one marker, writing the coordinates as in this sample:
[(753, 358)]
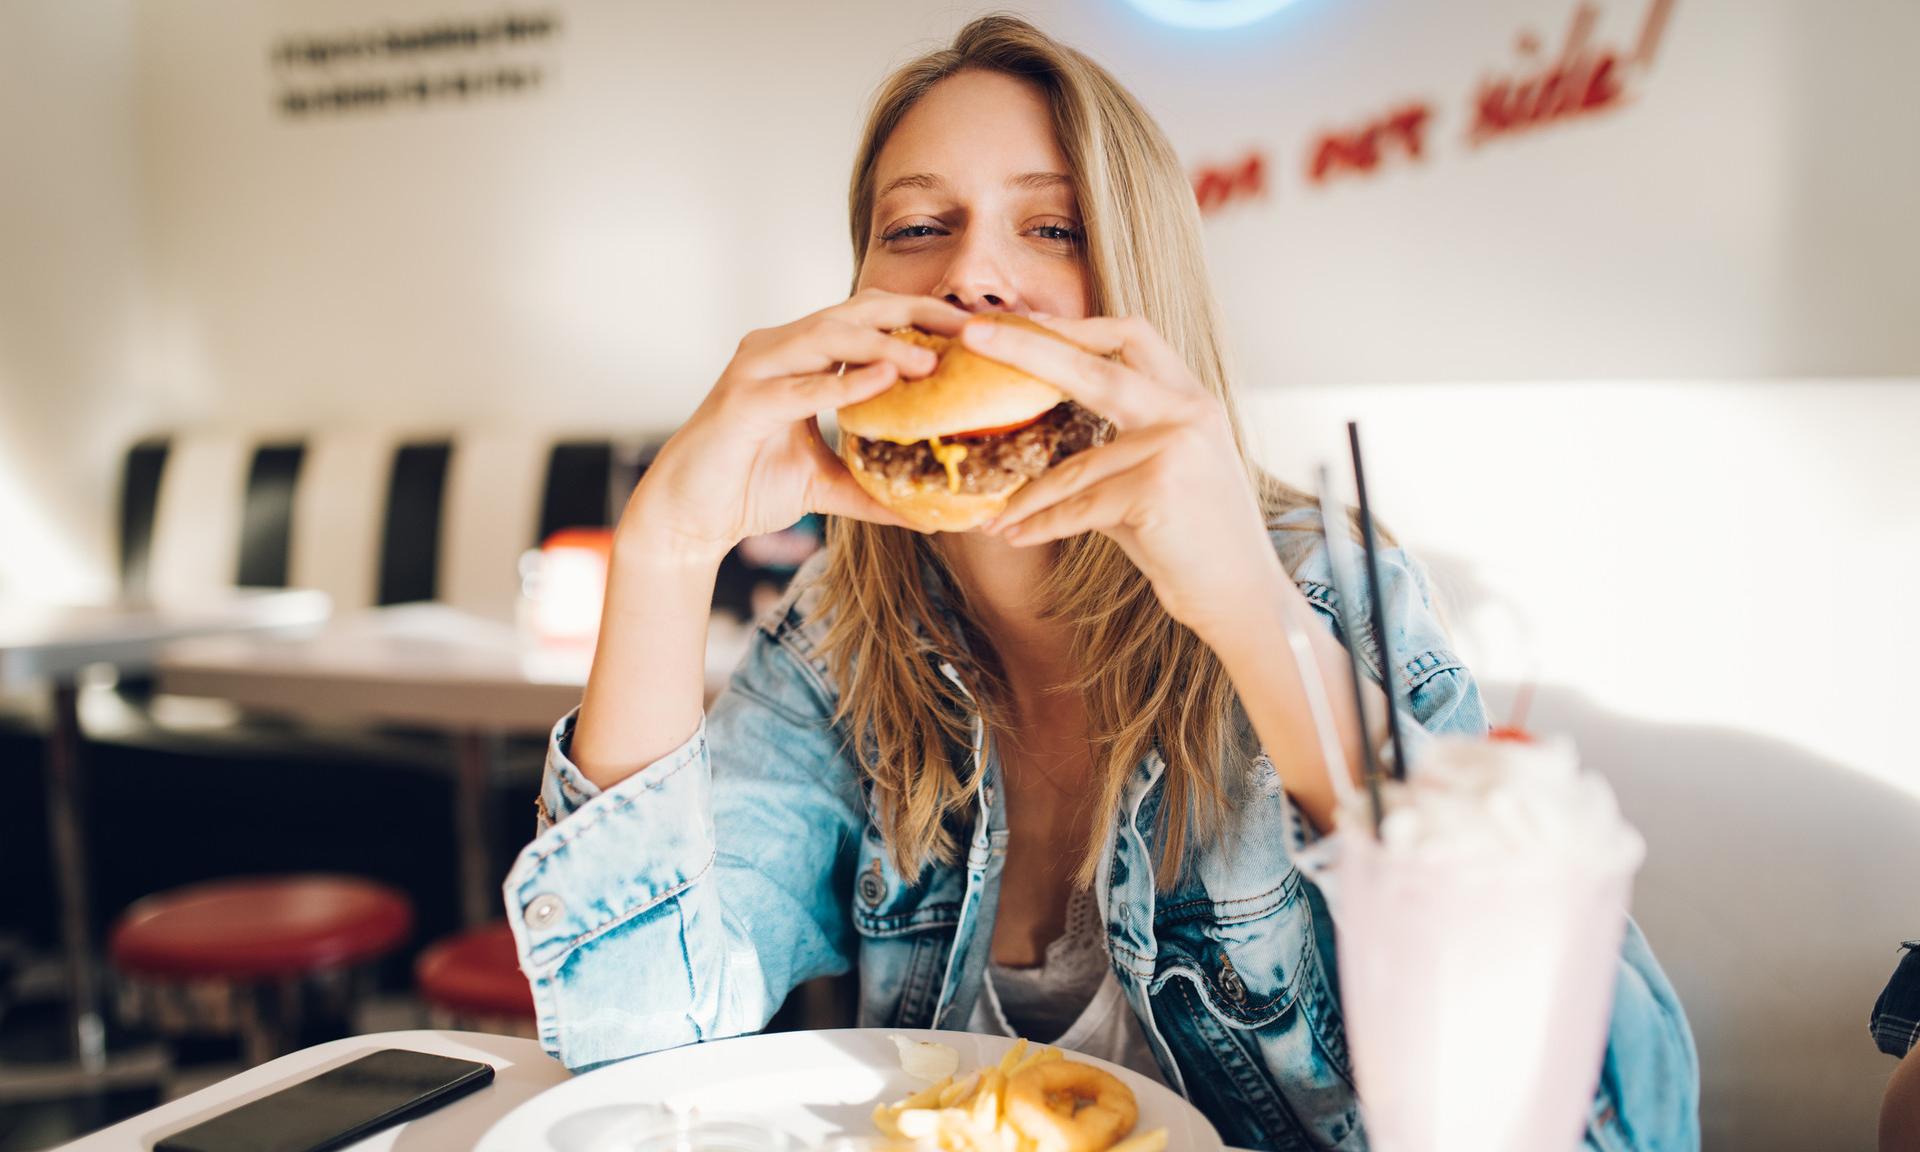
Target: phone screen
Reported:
[(336, 1107)]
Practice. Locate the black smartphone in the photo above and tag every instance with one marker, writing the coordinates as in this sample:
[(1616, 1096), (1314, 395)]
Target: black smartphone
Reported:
[(338, 1106)]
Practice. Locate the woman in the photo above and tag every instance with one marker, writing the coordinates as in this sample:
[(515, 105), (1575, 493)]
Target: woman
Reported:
[(1041, 777)]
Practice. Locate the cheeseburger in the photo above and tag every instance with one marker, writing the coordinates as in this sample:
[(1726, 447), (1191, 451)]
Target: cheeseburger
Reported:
[(947, 450)]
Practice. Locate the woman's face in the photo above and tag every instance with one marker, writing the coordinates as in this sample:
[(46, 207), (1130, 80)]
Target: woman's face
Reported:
[(974, 203)]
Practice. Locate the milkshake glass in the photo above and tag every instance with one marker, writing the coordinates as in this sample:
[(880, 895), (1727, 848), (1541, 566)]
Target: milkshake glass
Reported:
[(1479, 941)]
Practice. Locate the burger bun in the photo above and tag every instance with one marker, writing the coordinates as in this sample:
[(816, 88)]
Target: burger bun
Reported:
[(965, 392)]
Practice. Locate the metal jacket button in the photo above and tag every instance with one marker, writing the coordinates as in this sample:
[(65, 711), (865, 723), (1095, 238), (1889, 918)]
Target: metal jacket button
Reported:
[(1230, 982), (872, 888), (544, 910)]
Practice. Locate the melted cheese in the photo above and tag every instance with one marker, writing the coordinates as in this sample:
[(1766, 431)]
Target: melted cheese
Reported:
[(949, 456)]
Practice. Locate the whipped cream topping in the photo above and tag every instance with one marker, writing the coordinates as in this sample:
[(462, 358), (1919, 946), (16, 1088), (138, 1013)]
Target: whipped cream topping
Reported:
[(1481, 798)]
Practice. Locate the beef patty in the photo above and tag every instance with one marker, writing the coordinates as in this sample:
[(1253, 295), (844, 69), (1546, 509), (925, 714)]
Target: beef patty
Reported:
[(994, 463)]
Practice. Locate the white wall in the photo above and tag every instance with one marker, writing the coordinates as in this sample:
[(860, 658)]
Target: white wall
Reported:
[(1731, 554), (69, 288)]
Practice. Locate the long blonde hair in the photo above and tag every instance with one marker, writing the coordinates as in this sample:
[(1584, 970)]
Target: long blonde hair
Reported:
[(1147, 682)]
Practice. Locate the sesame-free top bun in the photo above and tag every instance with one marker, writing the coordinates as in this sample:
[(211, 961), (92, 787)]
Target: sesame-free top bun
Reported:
[(965, 392)]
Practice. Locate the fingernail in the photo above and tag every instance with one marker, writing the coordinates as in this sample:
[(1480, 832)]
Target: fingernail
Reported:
[(980, 332)]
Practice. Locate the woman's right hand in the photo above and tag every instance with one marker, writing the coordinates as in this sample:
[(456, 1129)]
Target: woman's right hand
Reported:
[(751, 459)]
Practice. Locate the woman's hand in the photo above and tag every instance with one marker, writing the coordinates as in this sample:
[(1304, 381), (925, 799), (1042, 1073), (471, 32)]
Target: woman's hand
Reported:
[(1169, 488), (751, 459)]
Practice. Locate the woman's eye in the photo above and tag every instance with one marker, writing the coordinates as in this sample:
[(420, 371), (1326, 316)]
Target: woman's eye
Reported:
[(1060, 233), (910, 232)]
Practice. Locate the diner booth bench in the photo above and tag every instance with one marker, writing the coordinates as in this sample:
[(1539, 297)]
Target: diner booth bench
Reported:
[(368, 517)]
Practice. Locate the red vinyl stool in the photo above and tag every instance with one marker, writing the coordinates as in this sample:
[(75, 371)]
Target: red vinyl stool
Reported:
[(473, 980), (243, 955)]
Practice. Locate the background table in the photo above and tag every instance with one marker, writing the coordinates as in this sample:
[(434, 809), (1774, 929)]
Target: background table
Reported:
[(424, 664), (52, 645), (421, 664)]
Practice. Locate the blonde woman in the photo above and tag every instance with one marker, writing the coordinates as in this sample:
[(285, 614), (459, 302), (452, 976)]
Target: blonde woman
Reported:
[(1042, 778)]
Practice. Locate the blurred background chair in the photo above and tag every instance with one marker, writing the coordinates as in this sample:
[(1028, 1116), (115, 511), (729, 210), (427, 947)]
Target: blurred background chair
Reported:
[(473, 981), (278, 961)]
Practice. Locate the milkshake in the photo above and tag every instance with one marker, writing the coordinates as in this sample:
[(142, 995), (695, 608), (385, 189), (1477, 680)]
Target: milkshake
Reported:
[(1479, 942)]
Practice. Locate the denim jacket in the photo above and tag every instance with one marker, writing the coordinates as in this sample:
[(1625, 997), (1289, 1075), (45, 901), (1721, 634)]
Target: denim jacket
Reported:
[(685, 902)]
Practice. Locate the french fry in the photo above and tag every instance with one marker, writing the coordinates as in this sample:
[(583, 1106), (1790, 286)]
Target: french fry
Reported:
[(973, 1137), (987, 1102), (1039, 1055), (960, 1092), (919, 1123), (1013, 1056), (928, 1097)]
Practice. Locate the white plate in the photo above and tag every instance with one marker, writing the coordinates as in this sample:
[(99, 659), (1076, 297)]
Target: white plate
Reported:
[(811, 1084)]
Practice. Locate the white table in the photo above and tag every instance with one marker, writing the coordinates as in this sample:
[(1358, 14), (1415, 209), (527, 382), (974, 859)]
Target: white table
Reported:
[(54, 642), (521, 1071), (422, 664), (52, 645), (425, 664)]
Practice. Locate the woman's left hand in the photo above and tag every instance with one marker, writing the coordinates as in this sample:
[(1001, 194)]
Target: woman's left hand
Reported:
[(1169, 488)]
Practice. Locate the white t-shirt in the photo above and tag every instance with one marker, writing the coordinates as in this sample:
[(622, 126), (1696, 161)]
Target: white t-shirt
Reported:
[(1071, 1000)]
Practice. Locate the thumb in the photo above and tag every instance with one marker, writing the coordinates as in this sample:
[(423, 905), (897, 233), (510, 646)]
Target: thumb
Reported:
[(834, 491), (837, 493)]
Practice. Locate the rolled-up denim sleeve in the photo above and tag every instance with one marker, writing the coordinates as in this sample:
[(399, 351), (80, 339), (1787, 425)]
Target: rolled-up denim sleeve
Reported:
[(1435, 690), (683, 903), (564, 789)]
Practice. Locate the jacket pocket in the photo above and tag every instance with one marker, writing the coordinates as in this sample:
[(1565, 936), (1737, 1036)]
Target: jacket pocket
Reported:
[(1244, 1000), (901, 976), (906, 934), (884, 904)]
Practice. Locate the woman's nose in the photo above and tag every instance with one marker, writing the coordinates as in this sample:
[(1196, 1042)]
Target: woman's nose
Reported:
[(985, 302), (976, 280)]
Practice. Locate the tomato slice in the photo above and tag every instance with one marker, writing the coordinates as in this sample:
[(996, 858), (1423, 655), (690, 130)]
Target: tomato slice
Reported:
[(983, 433)]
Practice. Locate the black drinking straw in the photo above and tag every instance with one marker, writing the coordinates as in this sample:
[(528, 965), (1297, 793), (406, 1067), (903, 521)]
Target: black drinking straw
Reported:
[(1379, 607), (1339, 573)]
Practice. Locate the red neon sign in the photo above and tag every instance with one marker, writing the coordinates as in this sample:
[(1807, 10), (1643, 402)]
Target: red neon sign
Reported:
[(1362, 150), (1579, 81), (1217, 186), (1582, 78)]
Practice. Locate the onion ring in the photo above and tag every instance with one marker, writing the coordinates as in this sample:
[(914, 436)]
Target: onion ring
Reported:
[(1063, 1106)]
